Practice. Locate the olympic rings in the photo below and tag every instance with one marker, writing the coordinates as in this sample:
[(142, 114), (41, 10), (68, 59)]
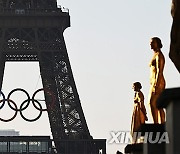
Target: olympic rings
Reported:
[(49, 105), (30, 120), (3, 100), (4, 120), (18, 89), (49, 99)]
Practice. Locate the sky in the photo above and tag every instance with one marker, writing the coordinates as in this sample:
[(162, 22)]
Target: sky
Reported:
[(108, 48)]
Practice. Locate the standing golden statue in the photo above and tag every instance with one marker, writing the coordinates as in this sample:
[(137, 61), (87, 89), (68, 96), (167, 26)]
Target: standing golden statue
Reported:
[(139, 112), (157, 80)]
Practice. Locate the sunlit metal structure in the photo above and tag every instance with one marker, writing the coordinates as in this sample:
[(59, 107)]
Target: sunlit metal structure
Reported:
[(32, 30)]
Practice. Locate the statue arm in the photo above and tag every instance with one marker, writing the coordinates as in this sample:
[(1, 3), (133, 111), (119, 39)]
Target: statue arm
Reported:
[(141, 104), (136, 98)]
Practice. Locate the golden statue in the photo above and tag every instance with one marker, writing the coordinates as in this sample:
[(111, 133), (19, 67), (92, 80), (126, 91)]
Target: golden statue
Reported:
[(139, 113), (157, 80)]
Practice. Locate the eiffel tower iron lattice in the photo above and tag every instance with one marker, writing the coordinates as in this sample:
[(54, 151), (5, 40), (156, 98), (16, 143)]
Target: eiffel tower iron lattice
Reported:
[(32, 30)]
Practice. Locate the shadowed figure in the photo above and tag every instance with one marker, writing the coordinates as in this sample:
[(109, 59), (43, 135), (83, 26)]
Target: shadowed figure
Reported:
[(139, 112), (157, 81), (174, 53)]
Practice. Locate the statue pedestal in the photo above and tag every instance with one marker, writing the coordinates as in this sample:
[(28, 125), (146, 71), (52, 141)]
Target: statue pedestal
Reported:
[(151, 135), (134, 148), (149, 148), (170, 99)]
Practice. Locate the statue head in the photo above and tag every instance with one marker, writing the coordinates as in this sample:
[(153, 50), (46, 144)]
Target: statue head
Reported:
[(158, 41), (137, 86)]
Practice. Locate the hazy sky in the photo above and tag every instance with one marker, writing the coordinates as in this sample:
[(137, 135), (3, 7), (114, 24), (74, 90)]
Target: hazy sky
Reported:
[(108, 47)]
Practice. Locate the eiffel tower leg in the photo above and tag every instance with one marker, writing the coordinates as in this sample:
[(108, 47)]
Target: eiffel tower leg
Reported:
[(54, 109), (71, 106), (56, 73), (2, 64)]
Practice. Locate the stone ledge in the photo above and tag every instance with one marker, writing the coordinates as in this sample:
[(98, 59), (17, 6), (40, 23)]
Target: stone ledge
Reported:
[(167, 96)]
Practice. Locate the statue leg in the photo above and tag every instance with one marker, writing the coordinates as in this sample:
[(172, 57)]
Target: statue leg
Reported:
[(162, 116), (154, 110), (161, 111)]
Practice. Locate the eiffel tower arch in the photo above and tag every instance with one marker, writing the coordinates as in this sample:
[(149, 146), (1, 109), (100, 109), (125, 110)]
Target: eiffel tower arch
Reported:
[(32, 30)]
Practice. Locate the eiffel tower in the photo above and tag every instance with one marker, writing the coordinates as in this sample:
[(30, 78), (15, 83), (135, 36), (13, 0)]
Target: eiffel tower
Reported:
[(32, 30)]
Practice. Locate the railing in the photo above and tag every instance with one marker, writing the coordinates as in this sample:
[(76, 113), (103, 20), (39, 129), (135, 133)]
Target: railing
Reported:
[(89, 146), (63, 8), (25, 144), (58, 10), (43, 144)]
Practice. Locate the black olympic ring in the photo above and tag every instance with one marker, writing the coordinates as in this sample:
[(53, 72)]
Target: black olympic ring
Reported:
[(30, 120), (49, 105), (18, 89), (4, 100), (24, 105)]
